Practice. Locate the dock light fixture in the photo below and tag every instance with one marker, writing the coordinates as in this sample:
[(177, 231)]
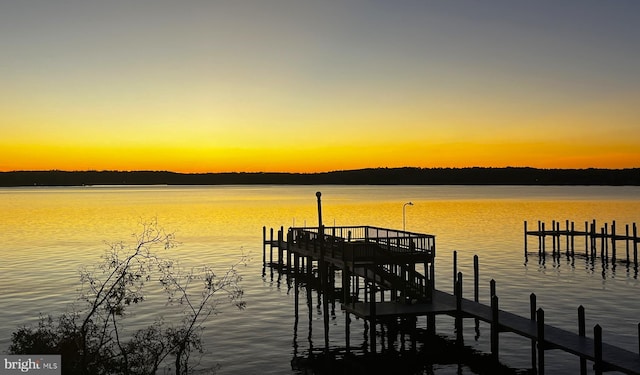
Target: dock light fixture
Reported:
[(404, 220)]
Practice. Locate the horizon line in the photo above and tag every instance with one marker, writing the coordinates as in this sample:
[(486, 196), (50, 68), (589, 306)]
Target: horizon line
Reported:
[(316, 172)]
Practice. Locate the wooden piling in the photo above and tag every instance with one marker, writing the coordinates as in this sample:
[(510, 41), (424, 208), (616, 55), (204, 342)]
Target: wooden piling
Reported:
[(582, 333), (455, 268), (635, 245), (626, 230), (372, 314), (586, 239), (476, 279), (603, 243), (540, 238), (572, 239), (264, 245), (532, 311), (271, 247), (458, 294), (597, 347), (613, 241), (492, 288), (525, 240), (495, 329), (543, 240)]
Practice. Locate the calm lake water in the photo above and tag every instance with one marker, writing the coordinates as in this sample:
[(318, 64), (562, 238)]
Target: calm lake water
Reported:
[(47, 234)]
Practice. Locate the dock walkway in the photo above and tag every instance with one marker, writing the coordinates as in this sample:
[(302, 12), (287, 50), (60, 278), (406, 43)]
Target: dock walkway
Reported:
[(611, 358)]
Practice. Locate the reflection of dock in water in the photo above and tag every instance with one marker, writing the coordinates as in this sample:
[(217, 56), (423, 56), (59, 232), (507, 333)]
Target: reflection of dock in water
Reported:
[(387, 278)]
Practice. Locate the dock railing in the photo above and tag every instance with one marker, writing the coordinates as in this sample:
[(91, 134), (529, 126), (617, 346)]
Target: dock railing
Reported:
[(354, 240)]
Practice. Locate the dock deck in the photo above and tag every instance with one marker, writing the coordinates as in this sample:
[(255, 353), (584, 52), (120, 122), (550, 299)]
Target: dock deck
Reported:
[(385, 261)]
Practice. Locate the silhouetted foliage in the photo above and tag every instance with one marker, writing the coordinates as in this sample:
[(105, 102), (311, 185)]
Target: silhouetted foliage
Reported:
[(371, 176), (93, 339)]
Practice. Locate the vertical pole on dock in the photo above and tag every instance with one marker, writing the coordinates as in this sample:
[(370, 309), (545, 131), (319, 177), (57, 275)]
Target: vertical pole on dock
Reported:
[(543, 239), (492, 288), (604, 249), (597, 346), (567, 239), (553, 238), (347, 332), (613, 241), (540, 237), (635, 245), (573, 237), (458, 293), (296, 300), (280, 248), (264, 245), (532, 304), (626, 231), (271, 246), (318, 195), (455, 268), (525, 239), (495, 329), (593, 238), (476, 279), (586, 239), (582, 333), (541, 344), (372, 317)]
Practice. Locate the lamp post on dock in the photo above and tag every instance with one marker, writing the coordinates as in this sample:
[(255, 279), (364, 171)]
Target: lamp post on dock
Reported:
[(404, 220)]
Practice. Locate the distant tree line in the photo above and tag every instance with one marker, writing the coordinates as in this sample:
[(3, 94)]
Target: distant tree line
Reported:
[(370, 176)]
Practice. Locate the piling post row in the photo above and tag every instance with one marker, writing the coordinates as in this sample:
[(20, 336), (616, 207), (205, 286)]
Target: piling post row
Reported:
[(591, 235)]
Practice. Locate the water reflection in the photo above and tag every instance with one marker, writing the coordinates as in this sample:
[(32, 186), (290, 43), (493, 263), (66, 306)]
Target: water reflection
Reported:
[(64, 228), (606, 268)]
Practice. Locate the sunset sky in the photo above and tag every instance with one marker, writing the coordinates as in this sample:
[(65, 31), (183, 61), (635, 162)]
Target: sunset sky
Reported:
[(304, 86)]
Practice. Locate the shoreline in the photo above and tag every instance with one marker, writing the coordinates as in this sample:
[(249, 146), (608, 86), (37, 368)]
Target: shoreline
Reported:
[(372, 176)]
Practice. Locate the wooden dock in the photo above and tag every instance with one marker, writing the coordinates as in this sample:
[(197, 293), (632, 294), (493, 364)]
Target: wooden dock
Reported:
[(607, 236), (381, 280)]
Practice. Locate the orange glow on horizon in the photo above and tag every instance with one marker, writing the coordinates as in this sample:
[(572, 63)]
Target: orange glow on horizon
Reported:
[(318, 159)]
